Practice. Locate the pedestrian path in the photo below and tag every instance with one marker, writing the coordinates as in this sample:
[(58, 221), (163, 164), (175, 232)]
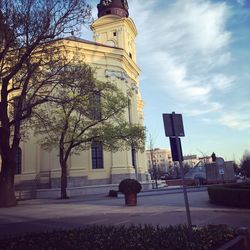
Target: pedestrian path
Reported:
[(157, 209)]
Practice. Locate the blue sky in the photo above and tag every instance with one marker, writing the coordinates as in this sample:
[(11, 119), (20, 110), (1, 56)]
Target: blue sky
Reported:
[(194, 57)]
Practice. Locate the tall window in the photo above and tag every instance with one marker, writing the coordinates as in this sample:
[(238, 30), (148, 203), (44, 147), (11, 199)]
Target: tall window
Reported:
[(97, 155), (129, 111), (15, 102), (133, 154), (19, 161), (95, 105)]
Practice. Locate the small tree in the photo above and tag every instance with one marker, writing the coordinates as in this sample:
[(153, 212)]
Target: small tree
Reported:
[(245, 164), (84, 110), (28, 68)]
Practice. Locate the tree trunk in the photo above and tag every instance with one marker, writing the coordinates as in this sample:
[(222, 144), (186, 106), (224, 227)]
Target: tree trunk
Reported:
[(64, 181), (7, 192), (8, 153)]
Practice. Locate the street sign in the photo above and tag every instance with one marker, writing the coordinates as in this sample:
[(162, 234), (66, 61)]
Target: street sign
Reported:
[(174, 149), (173, 125), (221, 171)]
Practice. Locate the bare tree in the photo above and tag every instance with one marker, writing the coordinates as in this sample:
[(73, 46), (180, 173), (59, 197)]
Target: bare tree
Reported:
[(29, 66), (245, 163), (153, 160)]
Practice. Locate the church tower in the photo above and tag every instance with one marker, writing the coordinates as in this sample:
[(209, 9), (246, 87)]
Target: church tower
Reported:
[(114, 27)]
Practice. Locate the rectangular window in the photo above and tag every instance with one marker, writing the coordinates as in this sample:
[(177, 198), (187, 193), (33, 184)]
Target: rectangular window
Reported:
[(133, 154), (97, 155), (18, 161), (24, 110), (15, 104), (129, 111)]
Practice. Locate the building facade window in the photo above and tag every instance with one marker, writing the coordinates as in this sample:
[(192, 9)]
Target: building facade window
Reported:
[(111, 43), (95, 106), (133, 154), (19, 161), (97, 155), (129, 111), (15, 104)]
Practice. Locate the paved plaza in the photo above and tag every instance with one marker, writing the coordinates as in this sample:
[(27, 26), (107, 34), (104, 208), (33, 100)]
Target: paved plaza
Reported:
[(157, 209)]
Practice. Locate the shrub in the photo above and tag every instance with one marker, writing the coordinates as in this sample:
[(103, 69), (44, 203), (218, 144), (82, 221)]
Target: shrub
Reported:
[(128, 186), (235, 195), (132, 237)]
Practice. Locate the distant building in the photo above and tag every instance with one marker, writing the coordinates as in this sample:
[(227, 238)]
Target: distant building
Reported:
[(212, 172), (205, 159), (160, 158), (191, 160)]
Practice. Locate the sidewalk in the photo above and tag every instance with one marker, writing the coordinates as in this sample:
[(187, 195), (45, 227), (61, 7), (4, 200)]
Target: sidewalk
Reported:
[(157, 209)]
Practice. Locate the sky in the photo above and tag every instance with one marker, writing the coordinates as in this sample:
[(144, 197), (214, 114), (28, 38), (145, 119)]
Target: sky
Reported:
[(194, 57)]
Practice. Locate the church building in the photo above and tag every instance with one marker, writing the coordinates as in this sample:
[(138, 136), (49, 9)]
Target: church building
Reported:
[(113, 56)]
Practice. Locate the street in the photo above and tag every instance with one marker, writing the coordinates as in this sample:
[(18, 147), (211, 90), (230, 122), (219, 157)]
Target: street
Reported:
[(157, 209)]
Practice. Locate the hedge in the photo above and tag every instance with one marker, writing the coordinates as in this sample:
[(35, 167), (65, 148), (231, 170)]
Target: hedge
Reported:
[(132, 237), (235, 195)]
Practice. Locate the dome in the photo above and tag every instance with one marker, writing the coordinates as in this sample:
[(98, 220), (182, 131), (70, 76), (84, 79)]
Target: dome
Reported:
[(113, 7)]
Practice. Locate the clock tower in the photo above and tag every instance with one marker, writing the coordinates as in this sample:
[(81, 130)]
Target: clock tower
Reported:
[(114, 27)]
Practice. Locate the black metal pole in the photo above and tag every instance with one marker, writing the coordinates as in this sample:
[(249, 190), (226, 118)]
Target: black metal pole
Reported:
[(184, 184), (182, 176)]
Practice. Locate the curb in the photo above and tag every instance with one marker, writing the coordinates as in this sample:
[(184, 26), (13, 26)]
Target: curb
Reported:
[(165, 191)]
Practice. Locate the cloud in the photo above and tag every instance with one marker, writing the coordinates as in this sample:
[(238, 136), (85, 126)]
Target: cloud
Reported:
[(237, 118), (181, 46), (240, 121), (241, 2), (222, 82)]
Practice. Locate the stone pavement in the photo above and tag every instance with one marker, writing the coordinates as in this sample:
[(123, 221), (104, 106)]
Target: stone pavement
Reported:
[(159, 208)]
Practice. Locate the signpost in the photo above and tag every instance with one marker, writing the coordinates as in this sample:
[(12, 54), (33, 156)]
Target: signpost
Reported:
[(220, 164), (174, 129)]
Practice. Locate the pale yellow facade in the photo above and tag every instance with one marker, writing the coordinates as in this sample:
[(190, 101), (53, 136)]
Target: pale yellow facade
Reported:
[(190, 160), (160, 158), (113, 56)]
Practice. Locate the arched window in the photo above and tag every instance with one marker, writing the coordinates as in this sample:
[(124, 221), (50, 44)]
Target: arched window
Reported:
[(19, 161), (111, 43)]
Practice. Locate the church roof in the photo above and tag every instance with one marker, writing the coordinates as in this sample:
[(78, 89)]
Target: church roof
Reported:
[(77, 39), (113, 7)]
